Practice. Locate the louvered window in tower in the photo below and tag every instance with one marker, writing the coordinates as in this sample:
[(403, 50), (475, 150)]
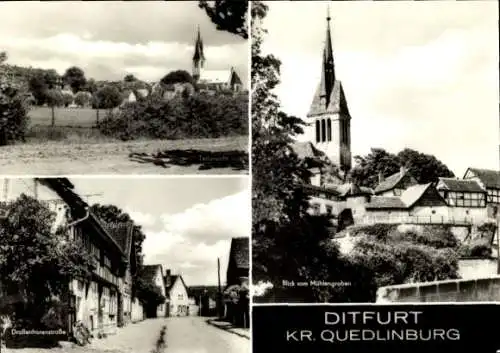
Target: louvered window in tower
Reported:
[(323, 130), (318, 131)]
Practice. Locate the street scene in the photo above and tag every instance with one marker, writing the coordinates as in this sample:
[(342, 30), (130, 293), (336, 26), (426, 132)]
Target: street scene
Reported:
[(87, 267), (124, 88), (392, 193)]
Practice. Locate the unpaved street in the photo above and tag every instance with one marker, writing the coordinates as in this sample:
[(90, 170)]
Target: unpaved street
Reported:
[(62, 158), (194, 335), (183, 335)]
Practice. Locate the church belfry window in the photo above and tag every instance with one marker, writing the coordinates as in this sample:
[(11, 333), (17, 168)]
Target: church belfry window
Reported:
[(329, 129), (318, 131), (323, 130)]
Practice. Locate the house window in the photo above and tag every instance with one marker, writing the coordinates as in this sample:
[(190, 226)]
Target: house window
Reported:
[(329, 209), (397, 192), (180, 296), (494, 196), (466, 199), (329, 129), (323, 130), (316, 208)]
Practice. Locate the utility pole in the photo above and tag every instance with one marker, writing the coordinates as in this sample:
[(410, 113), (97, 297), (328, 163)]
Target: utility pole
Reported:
[(498, 242), (219, 297)]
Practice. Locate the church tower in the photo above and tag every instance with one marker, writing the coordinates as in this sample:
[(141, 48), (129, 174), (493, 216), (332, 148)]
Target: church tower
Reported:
[(329, 119), (198, 57)]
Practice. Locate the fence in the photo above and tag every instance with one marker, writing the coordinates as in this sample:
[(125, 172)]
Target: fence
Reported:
[(458, 290), (466, 221)]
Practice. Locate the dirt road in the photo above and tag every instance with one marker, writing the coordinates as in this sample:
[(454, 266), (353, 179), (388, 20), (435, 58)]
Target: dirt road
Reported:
[(59, 158)]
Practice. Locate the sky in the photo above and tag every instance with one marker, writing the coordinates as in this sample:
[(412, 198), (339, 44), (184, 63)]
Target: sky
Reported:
[(188, 221), (422, 75), (111, 39)]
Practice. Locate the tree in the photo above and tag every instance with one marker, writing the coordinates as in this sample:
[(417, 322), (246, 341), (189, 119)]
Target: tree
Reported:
[(67, 98), (35, 263), (91, 86), (228, 15), (130, 78), (52, 79), (38, 87), (178, 76), (54, 99), (75, 78), (425, 168), (83, 98), (108, 97), (287, 242), (14, 106)]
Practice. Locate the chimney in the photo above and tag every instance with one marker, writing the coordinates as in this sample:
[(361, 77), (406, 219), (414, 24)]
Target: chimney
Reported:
[(380, 177), (167, 277), (402, 170)]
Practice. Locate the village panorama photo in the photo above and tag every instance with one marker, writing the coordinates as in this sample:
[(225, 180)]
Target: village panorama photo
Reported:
[(375, 152), (88, 268), (123, 87)]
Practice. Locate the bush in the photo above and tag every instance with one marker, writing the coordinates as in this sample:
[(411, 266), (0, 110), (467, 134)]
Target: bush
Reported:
[(480, 248), (378, 231), (375, 264), (14, 108), (438, 237), (197, 116)]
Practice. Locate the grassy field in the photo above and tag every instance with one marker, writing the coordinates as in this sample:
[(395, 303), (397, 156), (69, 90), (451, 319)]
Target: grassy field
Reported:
[(75, 117)]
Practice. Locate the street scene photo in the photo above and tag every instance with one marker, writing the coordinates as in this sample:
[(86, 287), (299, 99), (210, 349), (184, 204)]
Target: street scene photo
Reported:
[(375, 153), (124, 87), (125, 265)]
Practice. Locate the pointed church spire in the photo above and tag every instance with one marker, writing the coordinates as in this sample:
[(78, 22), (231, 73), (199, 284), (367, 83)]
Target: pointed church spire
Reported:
[(328, 67), (199, 56)]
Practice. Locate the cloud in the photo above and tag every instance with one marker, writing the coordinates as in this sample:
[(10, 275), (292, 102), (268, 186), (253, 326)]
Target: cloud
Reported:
[(142, 219), (110, 39), (219, 219), (191, 241)]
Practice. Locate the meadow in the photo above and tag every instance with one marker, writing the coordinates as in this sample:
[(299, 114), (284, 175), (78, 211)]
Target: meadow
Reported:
[(67, 117)]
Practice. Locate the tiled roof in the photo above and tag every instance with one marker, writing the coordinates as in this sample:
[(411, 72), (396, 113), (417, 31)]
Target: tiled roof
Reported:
[(351, 189), (123, 235), (385, 202), (171, 282), (390, 182), (407, 199), (459, 185), (490, 178), (414, 193), (215, 76), (240, 252), (337, 103), (306, 150), (148, 272)]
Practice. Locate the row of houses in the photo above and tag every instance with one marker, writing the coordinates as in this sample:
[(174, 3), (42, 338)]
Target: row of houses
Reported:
[(399, 198), (106, 301)]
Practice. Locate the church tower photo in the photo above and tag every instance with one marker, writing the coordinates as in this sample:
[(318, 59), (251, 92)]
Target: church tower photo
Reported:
[(198, 57), (212, 80), (329, 121)]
